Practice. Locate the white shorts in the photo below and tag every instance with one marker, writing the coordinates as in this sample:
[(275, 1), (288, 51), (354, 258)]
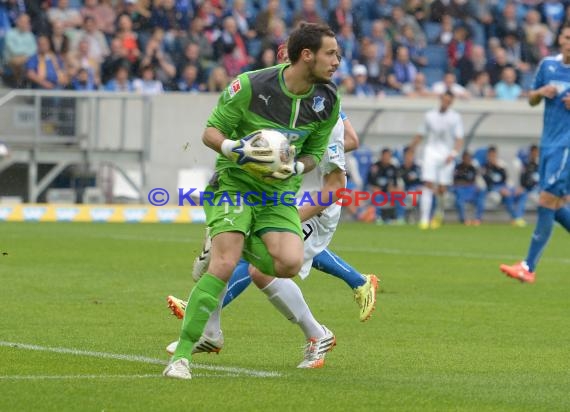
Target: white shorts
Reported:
[(435, 170), (317, 238)]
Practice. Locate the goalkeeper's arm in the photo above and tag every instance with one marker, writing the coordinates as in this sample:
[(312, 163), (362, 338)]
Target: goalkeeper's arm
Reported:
[(213, 138)]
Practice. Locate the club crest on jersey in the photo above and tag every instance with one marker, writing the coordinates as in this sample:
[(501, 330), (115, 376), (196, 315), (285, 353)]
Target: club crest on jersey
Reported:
[(333, 152), (234, 87), (318, 103)]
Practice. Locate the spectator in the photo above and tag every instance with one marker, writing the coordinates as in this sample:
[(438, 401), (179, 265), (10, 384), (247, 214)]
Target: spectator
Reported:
[(218, 79), (159, 59), (553, 12), (60, 42), (192, 56), (468, 67), (267, 58), (466, 190), (410, 171), (495, 176), (276, 36), (140, 15), (20, 44), (189, 81), (533, 26), (348, 43), (120, 82), (81, 59), (347, 86), (416, 48), (517, 52), (44, 69), (507, 88), (230, 48), (403, 71), (383, 177), (118, 57), (165, 16), (196, 35), (83, 81), (344, 14), (496, 65), (446, 34), (102, 13), (98, 48), (418, 88), (529, 178), (307, 13), (362, 88), (449, 83), (417, 9), (69, 17), (508, 21), (380, 9), (480, 86), (400, 19), (382, 42), (460, 46), (243, 18), (38, 12), (129, 39), (266, 16), (147, 83)]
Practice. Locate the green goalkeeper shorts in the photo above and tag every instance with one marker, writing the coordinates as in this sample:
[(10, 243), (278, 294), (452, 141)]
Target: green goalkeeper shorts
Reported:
[(242, 204)]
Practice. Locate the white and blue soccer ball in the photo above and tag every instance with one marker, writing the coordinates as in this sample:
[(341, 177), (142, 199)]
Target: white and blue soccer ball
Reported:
[(280, 153)]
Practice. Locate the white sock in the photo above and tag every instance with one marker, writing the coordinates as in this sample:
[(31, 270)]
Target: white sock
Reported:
[(426, 200), (213, 327), (286, 296)]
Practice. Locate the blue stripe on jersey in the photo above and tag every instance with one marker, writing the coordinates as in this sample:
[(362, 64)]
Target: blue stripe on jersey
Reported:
[(343, 116), (555, 131)]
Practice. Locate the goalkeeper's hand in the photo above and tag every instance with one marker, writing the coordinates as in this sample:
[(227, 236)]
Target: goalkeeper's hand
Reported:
[(288, 170), (244, 150)]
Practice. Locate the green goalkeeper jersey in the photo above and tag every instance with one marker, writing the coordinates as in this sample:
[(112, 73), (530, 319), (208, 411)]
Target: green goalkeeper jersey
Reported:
[(260, 100)]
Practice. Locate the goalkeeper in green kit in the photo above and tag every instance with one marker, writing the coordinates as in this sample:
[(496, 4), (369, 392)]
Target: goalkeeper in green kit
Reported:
[(297, 99)]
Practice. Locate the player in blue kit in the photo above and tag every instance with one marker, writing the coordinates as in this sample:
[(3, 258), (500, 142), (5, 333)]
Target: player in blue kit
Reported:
[(552, 82)]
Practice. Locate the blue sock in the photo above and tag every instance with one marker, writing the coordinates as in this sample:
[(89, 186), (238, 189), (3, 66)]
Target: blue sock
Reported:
[(542, 232), (562, 216), (330, 263), (239, 282)]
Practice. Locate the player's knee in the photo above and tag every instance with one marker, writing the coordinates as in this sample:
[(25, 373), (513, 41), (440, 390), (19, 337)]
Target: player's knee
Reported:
[(287, 266), (223, 265)]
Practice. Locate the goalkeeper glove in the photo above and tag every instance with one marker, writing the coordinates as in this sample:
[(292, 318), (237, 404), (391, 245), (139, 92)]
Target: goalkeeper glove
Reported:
[(288, 170), (244, 150)]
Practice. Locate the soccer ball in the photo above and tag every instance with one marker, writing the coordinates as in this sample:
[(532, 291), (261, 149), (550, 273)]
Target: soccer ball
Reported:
[(281, 153)]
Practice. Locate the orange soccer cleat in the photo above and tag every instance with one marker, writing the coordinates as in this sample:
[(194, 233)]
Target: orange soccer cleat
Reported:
[(518, 271)]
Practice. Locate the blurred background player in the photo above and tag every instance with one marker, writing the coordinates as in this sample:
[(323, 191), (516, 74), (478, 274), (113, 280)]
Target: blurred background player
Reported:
[(443, 128), (466, 190), (312, 50), (528, 181), (551, 83), (319, 224)]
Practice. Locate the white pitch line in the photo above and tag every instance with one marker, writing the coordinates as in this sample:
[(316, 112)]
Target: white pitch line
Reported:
[(142, 359), (74, 377)]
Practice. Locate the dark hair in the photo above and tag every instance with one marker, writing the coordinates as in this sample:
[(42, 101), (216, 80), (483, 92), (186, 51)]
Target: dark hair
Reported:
[(386, 150), (306, 36), (491, 149), (449, 93), (533, 147)]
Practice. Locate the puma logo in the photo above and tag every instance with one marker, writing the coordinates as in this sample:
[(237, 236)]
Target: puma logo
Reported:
[(265, 99), (231, 221)]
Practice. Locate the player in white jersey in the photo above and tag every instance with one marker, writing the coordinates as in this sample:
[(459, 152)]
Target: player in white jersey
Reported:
[(443, 130), (320, 222)]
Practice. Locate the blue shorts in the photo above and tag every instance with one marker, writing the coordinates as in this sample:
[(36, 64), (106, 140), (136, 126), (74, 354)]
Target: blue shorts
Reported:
[(554, 170)]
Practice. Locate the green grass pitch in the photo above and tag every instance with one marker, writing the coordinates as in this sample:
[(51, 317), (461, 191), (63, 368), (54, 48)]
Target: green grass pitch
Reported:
[(450, 332)]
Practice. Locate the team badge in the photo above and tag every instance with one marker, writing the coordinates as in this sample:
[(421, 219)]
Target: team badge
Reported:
[(333, 152), (318, 103), (234, 87)]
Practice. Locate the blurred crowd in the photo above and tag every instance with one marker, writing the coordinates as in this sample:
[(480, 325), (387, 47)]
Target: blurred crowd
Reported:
[(476, 48), (482, 182)]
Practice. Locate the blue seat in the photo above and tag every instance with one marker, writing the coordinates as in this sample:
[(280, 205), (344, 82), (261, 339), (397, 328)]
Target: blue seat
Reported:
[(432, 74), (480, 156), (432, 30), (365, 157), (436, 57)]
